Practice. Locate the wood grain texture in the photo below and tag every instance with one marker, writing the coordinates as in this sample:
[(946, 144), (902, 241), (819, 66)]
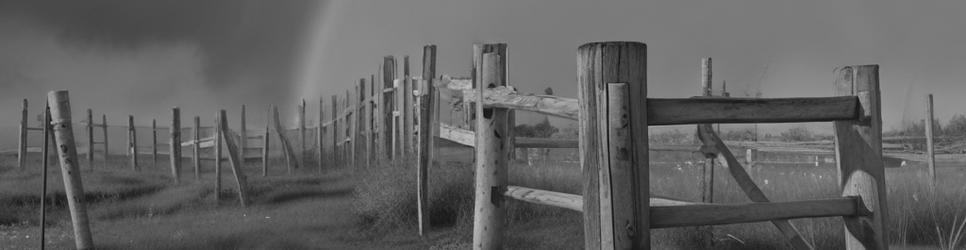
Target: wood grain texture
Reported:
[(174, 145), (491, 164), (543, 197), (424, 142), (457, 135), (59, 102), (700, 214)]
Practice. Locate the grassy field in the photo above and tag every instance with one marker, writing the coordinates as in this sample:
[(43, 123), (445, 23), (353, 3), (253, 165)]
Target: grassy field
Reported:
[(375, 208)]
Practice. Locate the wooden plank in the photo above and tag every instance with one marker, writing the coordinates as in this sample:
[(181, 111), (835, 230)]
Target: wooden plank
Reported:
[(685, 215), (491, 163), (505, 97), (543, 197), (286, 146), (751, 110), (175, 144), (59, 102), (715, 146), (858, 153), (236, 162), (531, 142), (613, 147), (457, 135)]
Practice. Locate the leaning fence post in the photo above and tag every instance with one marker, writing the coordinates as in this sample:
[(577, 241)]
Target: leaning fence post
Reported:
[(613, 144), (59, 102), (175, 145), (132, 142), (858, 146), (425, 143), (217, 141), (491, 161), (234, 158), (22, 142)]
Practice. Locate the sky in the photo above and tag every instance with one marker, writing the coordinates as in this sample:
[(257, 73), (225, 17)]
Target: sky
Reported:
[(143, 57)]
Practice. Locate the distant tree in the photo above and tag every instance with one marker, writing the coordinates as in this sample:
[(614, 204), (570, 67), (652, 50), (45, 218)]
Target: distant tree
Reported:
[(747, 134), (956, 125), (796, 134), (542, 129)]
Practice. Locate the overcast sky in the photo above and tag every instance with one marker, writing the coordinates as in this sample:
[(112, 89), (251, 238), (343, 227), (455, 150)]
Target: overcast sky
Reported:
[(143, 57)]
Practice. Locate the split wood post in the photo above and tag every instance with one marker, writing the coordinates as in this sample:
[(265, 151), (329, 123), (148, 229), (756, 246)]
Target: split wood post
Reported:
[(491, 161), (196, 150), (154, 142), (427, 128), (59, 102), (613, 144), (366, 118), (22, 142), (217, 140), (104, 131), (174, 150), (375, 107), (858, 152), (707, 173), (265, 147), (46, 162), (930, 145), (243, 131), (335, 131), (301, 117), (132, 143), (406, 112), (90, 139), (234, 158), (350, 149), (388, 75), (358, 136), (478, 51)]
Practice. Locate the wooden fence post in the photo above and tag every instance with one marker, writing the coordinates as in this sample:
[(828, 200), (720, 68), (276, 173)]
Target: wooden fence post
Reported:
[(427, 126), (374, 113), (59, 102), (406, 111), (350, 143), (335, 159), (243, 131), (234, 158), (301, 121), (22, 142), (388, 75), (107, 150), (196, 150), (366, 117), (360, 125), (858, 146), (290, 158), (707, 173), (175, 145), (132, 143), (217, 140), (491, 161), (90, 139), (320, 135), (154, 142), (265, 144), (613, 145), (930, 145)]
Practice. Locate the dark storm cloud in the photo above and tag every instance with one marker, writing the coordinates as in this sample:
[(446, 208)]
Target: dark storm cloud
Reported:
[(257, 39)]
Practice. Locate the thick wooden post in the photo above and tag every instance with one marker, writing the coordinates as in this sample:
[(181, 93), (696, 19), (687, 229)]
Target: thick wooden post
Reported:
[(406, 112), (301, 117), (427, 128), (218, 154), (174, 150), (930, 146), (320, 135), (397, 103), (59, 102), (195, 149), (46, 162), (358, 137), (366, 118), (90, 139), (132, 143), (491, 162), (707, 173), (613, 144), (107, 150), (234, 157), (858, 153), (335, 131), (154, 142), (375, 107), (22, 142), (387, 106)]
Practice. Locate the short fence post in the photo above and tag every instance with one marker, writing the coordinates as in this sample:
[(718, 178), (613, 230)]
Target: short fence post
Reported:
[(243, 131), (154, 142), (425, 143), (613, 144), (320, 135), (358, 135), (858, 146), (301, 117), (107, 150), (265, 147), (388, 75), (90, 139), (350, 123), (491, 161), (132, 142), (930, 145), (334, 155), (175, 145), (59, 102), (366, 117), (196, 150), (22, 142)]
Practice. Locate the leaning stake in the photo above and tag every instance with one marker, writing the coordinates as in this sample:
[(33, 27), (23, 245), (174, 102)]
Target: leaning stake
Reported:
[(59, 101)]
